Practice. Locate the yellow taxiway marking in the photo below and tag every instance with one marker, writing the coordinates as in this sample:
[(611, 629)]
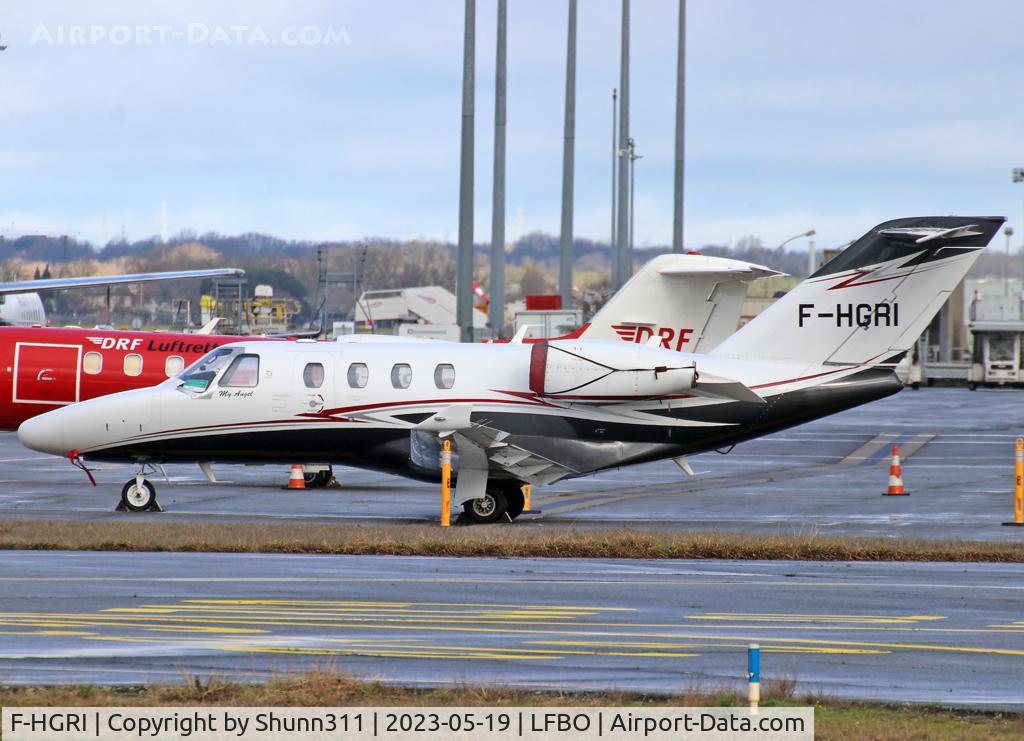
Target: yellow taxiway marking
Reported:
[(223, 620), (227, 623), (62, 633), (703, 637), (324, 603), (508, 654), (809, 618), (769, 648), (353, 614), (436, 647)]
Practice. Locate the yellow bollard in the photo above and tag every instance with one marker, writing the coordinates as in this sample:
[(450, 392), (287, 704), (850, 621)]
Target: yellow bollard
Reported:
[(446, 484), (1018, 488), (526, 497)]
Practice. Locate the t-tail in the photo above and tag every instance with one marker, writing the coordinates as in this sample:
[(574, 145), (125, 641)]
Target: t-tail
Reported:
[(869, 304)]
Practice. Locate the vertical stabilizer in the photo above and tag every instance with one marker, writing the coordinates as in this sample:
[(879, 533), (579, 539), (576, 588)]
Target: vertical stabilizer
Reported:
[(873, 300)]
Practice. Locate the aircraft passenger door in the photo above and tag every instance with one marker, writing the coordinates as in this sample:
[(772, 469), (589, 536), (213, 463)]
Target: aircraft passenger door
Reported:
[(312, 382), (46, 373)]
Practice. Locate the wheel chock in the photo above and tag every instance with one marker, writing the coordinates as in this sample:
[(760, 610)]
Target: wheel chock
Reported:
[(154, 507)]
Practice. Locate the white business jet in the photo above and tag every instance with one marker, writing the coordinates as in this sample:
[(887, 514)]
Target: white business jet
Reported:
[(537, 413)]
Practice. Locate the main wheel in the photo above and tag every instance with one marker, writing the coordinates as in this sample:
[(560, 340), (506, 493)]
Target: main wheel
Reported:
[(318, 479), (136, 498), (488, 508)]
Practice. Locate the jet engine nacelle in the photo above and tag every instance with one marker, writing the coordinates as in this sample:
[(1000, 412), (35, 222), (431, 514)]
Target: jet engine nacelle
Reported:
[(592, 372)]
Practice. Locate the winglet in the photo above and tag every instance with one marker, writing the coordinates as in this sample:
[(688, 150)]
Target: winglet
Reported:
[(209, 326)]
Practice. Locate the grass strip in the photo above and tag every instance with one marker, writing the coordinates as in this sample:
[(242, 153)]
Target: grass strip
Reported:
[(834, 719), (499, 541)]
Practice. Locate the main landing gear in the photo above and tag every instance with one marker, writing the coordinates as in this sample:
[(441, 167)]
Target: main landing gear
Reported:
[(318, 479), (139, 493), (502, 502)]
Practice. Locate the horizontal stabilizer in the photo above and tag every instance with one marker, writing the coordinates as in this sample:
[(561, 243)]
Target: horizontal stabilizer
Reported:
[(748, 269), (920, 235)]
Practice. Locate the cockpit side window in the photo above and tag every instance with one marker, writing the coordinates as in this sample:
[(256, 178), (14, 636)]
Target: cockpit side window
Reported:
[(198, 376), (244, 372)]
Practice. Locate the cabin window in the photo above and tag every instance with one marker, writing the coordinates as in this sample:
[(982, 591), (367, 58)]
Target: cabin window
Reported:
[(313, 375), (92, 363), (133, 364), (173, 365), (444, 376), (401, 375), (358, 375), (244, 372)]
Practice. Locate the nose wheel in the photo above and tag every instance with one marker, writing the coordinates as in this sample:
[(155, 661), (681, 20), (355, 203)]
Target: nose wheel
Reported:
[(139, 495)]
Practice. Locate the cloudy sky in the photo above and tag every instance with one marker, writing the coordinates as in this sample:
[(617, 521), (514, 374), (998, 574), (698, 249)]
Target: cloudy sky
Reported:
[(325, 120)]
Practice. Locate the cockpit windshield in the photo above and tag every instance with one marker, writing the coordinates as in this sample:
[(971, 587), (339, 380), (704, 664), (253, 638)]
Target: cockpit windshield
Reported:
[(198, 376)]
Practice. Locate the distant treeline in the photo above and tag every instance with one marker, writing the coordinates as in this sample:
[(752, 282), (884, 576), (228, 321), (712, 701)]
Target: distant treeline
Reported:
[(537, 247)]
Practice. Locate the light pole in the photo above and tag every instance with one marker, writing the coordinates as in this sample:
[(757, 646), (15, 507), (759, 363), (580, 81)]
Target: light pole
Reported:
[(808, 233), (1008, 231), (464, 261), (1018, 177), (630, 153), (615, 158)]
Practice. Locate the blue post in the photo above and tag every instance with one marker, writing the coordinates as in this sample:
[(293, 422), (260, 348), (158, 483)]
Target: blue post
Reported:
[(754, 676)]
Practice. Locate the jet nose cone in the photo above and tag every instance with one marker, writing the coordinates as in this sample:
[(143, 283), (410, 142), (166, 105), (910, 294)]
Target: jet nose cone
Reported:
[(44, 433)]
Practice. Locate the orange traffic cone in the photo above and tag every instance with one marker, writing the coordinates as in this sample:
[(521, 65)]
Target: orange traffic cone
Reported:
[(896, 476), (297, 478)]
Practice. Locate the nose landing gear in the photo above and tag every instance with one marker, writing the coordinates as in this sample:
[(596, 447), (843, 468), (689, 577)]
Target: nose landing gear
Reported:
[(139, 493)]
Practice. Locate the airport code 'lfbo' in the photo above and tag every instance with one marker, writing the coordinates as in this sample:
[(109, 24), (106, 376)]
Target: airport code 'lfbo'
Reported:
[(398, 724)]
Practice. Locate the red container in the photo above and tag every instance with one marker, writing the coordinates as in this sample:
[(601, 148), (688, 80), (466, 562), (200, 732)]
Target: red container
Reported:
[(544, 302)]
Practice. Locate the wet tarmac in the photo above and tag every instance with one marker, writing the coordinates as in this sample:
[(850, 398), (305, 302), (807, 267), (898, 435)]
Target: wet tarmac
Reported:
[(825, 477), (935, 633)]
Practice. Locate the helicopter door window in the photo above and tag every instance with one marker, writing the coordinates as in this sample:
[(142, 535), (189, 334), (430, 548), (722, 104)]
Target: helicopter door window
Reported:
[(244, 372), (313, 375)]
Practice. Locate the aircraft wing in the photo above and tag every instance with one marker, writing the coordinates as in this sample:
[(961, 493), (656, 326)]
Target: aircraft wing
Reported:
[(50, 284), (484, 449), (493, 447)]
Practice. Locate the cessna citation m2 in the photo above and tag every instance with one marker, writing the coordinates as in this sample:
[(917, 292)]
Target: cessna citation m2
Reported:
[(537, 413), (45, 368)]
